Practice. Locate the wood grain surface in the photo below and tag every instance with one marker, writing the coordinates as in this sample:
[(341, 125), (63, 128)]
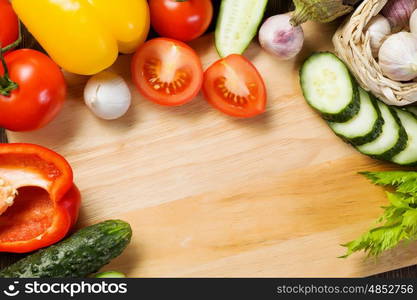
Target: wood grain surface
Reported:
[(208, 195)]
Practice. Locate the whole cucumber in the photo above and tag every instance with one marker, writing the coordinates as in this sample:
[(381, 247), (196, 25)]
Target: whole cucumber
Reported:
[(85, 252), (110, 274)]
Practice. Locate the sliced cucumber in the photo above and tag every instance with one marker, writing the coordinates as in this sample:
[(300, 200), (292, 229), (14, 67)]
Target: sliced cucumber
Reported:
[(329, 87), (392, 140), (237, 25), (366, 126), (412, 109), (409, 155)]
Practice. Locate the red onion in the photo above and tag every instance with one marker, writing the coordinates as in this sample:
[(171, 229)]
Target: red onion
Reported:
[(398, 13), (277, 36)]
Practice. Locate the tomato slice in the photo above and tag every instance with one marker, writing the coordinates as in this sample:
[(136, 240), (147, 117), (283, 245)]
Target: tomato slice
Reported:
[(167, 72), (234, 86)]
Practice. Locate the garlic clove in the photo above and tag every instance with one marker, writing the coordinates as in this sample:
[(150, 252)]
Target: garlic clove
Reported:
[(413, 22), (378, 29), (398, 56), (107, 95)]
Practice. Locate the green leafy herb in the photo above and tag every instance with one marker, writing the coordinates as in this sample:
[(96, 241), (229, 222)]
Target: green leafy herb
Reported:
[(399, 220), (405, 182)]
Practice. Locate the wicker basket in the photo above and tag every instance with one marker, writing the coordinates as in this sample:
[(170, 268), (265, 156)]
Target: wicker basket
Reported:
[(353, 46)]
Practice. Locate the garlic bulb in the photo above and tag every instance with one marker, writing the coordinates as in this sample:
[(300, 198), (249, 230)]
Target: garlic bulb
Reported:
[(107, 95), (379, 29), (398, 13), (413, 22), (398, 56), (278, 37)]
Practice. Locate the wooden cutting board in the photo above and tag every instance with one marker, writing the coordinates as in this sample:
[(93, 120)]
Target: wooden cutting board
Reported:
[(209, 195)]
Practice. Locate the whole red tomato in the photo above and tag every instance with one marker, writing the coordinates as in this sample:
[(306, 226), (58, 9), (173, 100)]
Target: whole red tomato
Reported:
[(183, 20), (9, 26), (33, 91)]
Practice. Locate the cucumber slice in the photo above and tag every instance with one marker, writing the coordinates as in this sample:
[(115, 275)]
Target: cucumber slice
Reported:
[(366, 126), (409, 155), (329, 87), (412, 109), (392, 140), (237, 25)]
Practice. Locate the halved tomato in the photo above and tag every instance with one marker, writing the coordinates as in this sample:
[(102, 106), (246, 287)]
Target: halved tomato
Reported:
[(234, 86), (167, 71)]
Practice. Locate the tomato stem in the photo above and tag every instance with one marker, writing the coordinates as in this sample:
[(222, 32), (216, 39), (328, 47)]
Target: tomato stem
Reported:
[(15, 43), (6, 84)]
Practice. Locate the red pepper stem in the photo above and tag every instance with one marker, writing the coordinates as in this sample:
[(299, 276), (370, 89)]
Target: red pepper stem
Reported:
[(6, 84), (15, 43)]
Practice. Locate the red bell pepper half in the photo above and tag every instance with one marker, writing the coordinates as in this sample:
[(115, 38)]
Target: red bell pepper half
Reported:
[(39, 202)]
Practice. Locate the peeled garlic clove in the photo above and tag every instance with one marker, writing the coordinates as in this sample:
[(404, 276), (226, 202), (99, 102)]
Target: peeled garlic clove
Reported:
[(398, 56), (107, 95), (379, 29)]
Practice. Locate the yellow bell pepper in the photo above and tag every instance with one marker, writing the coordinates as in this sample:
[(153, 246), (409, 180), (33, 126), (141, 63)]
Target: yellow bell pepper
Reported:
[(85, 36)]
